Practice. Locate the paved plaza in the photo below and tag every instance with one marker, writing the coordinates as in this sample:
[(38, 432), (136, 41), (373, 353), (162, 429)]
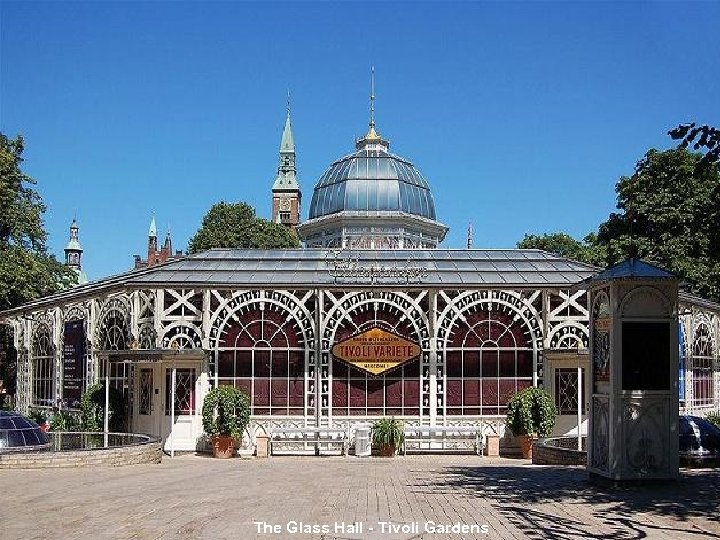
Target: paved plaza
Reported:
[(198, 497)]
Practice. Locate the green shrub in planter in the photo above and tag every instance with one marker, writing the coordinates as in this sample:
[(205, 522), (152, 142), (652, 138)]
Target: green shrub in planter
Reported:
[(65, 421), (388, 433), (531, 412), (92, 409), (713, 418), (226, 412)]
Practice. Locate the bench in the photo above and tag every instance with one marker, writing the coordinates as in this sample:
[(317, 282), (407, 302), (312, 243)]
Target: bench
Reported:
[(443, 434), (310, 434)]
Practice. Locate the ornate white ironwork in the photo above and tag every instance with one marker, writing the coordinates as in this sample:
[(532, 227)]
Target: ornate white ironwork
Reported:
[(184, 319), (43, 372), (113, 331), (566, 390), (182, 336)]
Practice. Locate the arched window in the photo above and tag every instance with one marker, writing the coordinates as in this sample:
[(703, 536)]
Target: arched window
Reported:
[(358, 393), (701, 364), (260, 350), (43, 362), (488, 357), (113, 335), (114, 331)]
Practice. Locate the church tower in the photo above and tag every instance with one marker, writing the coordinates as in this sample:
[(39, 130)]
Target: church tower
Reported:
[(156, 255), (73, 253), (286, 193)]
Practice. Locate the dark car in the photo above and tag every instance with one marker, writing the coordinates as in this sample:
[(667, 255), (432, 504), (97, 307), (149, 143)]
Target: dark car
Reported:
[(699, 441)]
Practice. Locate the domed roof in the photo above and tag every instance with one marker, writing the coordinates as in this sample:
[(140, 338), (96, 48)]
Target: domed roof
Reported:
[(17, 432), (372, 180)]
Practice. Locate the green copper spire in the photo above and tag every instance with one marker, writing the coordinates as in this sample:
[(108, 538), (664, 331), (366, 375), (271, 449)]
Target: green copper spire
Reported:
[(286, 179), (152, 231), (287, 145)]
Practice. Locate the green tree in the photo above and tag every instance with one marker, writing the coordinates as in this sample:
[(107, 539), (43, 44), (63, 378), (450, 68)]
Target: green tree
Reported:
[(27, 271), (669, 214), (235, 225), (564, 245)]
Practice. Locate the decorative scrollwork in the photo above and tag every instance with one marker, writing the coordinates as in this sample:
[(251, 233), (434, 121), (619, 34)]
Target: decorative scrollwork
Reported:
[(148, 337), (644, 439), (113, 332), (75, 313), (601, 435), (182, 337), (569, 336)]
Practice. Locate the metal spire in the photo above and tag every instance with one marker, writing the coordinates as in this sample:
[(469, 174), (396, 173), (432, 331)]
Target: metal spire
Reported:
[(372, 97), (372, 135), (286, 179), (470, 236)]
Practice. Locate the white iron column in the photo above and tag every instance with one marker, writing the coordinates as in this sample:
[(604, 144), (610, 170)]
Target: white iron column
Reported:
[(433, 378), (106, 422), (579, 406)]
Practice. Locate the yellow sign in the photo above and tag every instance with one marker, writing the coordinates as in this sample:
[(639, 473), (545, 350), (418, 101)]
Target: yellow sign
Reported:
[(376, 351)]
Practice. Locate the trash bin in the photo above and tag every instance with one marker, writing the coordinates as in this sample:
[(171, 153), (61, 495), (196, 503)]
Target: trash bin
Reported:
[(363, 444)]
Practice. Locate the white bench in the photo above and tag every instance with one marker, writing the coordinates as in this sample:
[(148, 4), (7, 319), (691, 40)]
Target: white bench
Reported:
[(443, 435), (310, 434)]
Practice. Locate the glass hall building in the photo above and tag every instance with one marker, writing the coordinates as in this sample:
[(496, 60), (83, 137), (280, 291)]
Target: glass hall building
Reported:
[(370, 320)]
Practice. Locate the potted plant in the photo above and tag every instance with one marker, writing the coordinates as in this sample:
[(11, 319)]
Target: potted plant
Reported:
[(530, 415), (388, 435), (225, 414)]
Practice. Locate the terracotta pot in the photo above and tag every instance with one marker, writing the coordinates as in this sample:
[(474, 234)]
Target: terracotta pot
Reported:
[(386, 451), (526, 444), (223, 447)]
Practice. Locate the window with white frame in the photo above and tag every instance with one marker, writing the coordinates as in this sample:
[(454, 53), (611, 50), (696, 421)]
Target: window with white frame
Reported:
[(261, 351), (43, 363), (489, 357), (701, 366), (566, 389)]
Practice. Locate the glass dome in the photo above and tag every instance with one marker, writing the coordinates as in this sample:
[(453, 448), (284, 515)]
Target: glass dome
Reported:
[(372, 180), (19, 433)]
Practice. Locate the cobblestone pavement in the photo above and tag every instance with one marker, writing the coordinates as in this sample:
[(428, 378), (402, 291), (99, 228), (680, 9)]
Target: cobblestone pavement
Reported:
[(198, 497)]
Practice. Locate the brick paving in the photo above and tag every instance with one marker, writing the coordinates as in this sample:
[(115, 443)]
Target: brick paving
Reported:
[(197, 497)]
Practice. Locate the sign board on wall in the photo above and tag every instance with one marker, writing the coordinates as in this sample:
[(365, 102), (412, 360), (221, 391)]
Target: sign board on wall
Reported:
[(73, 362), (376, 351)]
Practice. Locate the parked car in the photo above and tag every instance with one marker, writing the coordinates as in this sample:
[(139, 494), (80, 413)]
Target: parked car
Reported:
[(699, 442)]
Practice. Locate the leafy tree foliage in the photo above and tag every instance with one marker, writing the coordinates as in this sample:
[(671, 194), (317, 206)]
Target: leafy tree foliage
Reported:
[(701, 137), (669, 215), (562, 244), (229, 225), (27, 271)]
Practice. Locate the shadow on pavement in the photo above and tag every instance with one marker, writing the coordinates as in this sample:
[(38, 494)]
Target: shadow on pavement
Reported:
[(541, 502)]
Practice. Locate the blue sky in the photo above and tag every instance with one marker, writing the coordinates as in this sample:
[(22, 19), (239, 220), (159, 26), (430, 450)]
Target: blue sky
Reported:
[(522, 116)]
